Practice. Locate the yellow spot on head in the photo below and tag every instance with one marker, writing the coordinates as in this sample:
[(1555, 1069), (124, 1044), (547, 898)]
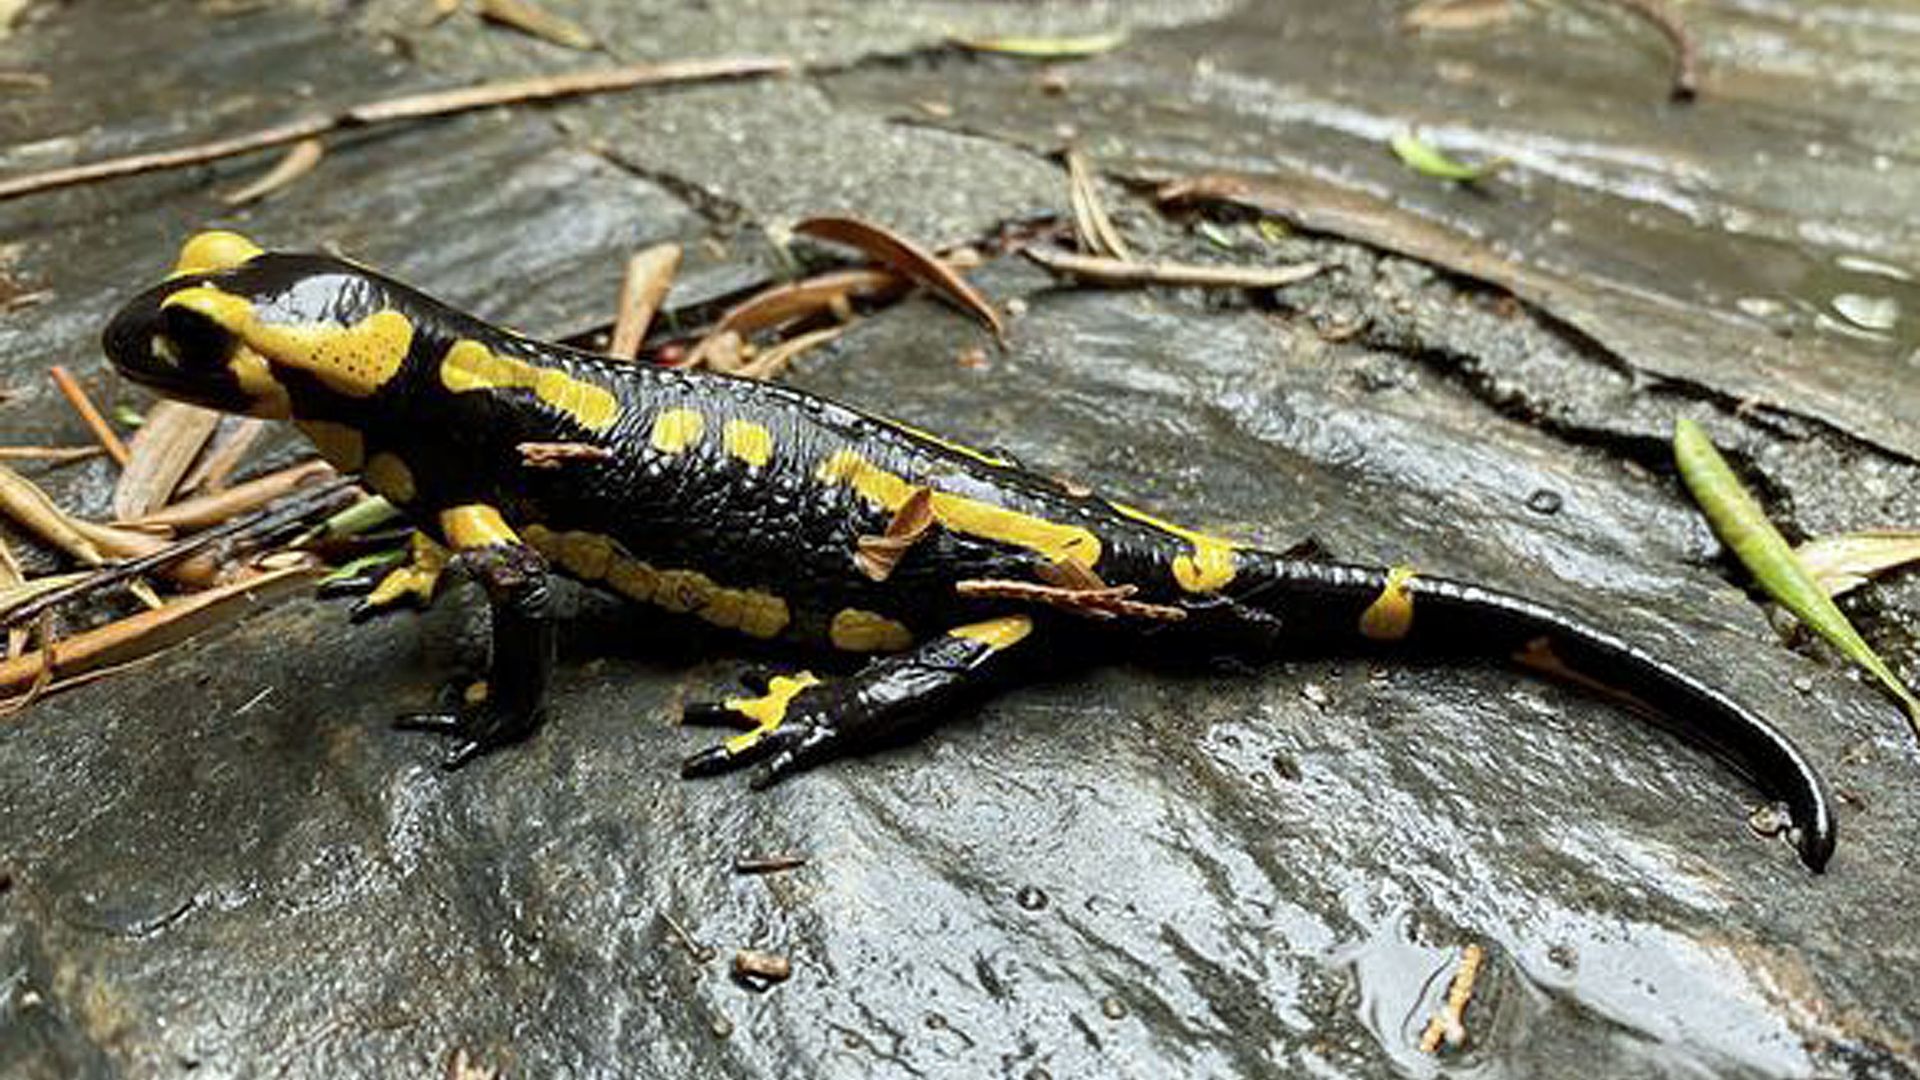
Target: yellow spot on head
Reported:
[(387, 475), (255, 377), (475, 525), (471, 366), (213, 250), (343, 446), (1390, 616), (957, 513), (676, 429), (352, 360), (749, 442), (996, 633), (864, 631)]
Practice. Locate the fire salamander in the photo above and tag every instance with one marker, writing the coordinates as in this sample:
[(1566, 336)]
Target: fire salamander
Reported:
[(783, 515)]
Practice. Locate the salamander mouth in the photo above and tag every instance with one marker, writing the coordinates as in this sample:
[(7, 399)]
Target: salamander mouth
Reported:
[(176, 351)]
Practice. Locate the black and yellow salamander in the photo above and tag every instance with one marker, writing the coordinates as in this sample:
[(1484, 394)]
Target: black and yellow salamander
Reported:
[(783, 515)]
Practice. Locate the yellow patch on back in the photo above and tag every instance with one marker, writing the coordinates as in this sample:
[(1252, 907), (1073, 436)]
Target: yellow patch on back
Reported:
[(388, 476), (865, 631), (475, 525), (215, 249), (343, 446), (353, 360), (957, 513), (998, 633), (676, 429), (1390, 616), (1208, 568), (748, 441), (470, 366)]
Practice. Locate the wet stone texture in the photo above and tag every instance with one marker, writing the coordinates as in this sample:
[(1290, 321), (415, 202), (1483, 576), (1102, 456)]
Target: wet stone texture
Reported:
[(225, 864)]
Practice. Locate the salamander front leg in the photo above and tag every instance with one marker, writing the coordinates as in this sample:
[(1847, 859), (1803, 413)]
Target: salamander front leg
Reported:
[(799, 720), (515, 578)]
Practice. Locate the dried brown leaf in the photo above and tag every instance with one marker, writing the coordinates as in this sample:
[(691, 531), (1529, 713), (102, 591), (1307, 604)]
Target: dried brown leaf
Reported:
[(908, 258), (1845, 561), (161, 453), (300, 159), (530, 18), (649, 275)]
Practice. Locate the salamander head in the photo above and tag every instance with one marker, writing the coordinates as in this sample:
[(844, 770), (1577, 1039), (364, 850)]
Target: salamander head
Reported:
[(268, 334)]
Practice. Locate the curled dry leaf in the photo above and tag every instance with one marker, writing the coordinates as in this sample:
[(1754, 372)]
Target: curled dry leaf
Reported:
[(1090, 222), (211, 472), (1102, 603), (552, 455), (771, 363), (782, 304), (876, 556), (161, 453), (1845, 561), (649, 275), (905, 257), (205, 510)]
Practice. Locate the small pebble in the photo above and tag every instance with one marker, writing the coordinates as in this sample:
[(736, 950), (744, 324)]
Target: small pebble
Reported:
[(1804, 684), (1544, 501), (1316, 694), (1031, 897), (759, 970), (1113, 1008)]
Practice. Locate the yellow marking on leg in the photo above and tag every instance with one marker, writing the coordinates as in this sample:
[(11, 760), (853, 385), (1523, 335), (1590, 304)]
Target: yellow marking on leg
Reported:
[(682, 591), (960, 514), (750, 611), (470, 366), (353, 360), (343, 446), (750, 442), (475, 525), (585, 555), (769, 710), (633, 579), (254, 373), (418, 577), (387, 475), (855, 630), (996, 634), (1390, 616), (1209, 568), (215, 249), (676, 429)]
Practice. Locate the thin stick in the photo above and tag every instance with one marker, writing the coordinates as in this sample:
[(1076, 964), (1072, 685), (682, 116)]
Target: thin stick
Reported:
[(296, 163), (77, 397), (410, 107), (49, 453), (1686, 52), (295, 509), (1120, 272)]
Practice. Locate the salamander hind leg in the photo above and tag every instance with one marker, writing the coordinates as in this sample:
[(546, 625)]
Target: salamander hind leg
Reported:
[(797, 721)]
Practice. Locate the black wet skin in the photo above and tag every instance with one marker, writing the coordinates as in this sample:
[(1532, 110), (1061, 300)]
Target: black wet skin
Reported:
[(781, 529)]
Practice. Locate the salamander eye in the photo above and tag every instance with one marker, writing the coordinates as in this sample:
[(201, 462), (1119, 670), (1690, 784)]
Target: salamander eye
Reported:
[(164, 350)]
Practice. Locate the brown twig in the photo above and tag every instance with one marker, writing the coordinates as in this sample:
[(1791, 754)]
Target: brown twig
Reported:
[(1106, 603), (298, 508), (552, 455), (207, 510), (49, 453), (1119, 272), (76, 396), (768, 864), (649, 275), (1446, 1025), (908, 258), (302, 159), (1092, 226), (409, 107), (1686, 51)]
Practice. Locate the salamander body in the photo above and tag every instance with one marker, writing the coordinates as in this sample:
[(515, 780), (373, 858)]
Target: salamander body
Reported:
[(785, 516)]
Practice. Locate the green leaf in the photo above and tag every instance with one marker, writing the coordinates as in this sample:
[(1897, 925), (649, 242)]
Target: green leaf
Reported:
[(1743, 527), (128, 416), (1423, 158), (354, 568)]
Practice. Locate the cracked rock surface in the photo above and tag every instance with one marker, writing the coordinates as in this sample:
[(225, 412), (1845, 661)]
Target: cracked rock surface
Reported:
[(225, 864)]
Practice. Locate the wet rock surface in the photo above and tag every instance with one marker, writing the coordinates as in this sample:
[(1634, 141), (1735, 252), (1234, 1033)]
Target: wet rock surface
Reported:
[(226, 864)]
